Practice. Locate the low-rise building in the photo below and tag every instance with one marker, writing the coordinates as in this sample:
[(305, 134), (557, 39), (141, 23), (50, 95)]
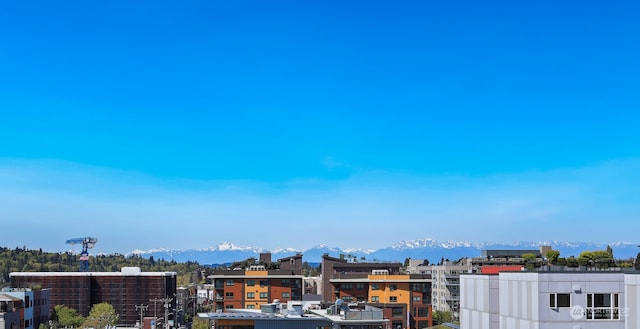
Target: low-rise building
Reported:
[(299, 315), (11, 309), (35, 309)]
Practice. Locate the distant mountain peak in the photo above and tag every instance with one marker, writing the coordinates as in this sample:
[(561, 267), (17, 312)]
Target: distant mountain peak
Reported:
[(224, 246), (427, 248)]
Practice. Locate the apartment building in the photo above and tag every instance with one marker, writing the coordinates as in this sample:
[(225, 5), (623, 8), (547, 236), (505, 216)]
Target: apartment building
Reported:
[(445, 287), (123, 290), (550, 300), (11, 312), (35, 310), (250, 287), (334, 268), (405, 299)]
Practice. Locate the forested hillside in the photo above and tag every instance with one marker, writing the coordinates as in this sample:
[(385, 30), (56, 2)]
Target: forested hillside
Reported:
[(25, 260)]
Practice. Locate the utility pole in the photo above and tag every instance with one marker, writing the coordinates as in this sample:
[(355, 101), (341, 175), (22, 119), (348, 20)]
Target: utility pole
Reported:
[(167, 304), (155, 300), (142, 308)]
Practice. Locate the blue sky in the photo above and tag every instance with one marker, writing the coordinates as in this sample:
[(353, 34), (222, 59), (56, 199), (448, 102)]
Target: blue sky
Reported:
[(289, 124)]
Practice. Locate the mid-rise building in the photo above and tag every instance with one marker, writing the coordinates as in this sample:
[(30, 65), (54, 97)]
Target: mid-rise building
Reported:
[(248, 288), (405, 299), (123, 290), (445, 286)]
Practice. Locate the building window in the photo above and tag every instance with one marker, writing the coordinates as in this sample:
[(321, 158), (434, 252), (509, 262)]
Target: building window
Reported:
[(264, 283), (423, 324), (251, 295), (375, 286), (396, 312), (393, 299), (251, 283), (229, 282), (559, 300), (228, 294), (396, 324), (228, 306), (286, 295), (251, 306), (393, 287), (375, 299), (603, 307), (285, 283), (423, 312), (346, 286), (359, 285), (264, 295), (417, 299), (347, 299)]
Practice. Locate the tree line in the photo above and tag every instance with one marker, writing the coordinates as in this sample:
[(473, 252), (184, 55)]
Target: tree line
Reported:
[(21, 259)]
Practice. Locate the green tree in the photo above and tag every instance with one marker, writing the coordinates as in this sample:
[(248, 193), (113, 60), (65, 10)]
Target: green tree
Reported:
[(530, 259), (101, 315), (599, 258), (552, 256), (442, 317), (66, 317), (638, 261), (200, 323)]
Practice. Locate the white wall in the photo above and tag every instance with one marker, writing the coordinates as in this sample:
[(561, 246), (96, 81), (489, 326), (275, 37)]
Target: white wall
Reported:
[(632, 306), (479, 301), (520, 300)]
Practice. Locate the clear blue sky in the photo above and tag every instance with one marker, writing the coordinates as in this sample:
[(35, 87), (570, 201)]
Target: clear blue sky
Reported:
[(294, 123)]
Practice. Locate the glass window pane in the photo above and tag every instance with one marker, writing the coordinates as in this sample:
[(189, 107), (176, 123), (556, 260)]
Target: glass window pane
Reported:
[(564, 300)]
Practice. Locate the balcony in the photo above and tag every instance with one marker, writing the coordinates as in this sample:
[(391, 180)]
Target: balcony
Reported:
[(452, 282)]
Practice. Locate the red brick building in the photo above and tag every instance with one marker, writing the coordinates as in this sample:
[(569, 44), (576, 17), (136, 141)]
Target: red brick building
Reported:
[(123, 290)]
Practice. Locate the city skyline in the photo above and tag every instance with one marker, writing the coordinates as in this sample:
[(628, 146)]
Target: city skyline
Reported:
[(355, 125)]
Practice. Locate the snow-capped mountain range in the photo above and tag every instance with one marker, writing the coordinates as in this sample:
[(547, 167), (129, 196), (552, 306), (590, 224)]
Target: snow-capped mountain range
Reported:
[(427, 248)]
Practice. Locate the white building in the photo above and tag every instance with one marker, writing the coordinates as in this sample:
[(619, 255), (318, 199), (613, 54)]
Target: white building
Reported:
[(445, 287), (550, 300)]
